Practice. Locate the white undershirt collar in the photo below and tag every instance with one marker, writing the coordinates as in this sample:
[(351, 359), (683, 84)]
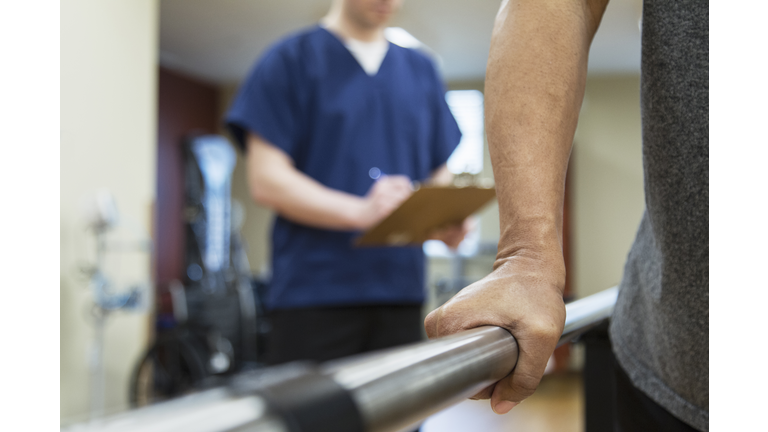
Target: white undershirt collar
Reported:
[(369, 55)]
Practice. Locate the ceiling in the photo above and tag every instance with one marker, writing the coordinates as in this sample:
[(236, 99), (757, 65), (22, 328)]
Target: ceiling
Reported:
[(218, 40)]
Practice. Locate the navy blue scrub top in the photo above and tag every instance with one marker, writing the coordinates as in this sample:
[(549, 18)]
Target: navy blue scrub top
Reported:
[(309, 97)]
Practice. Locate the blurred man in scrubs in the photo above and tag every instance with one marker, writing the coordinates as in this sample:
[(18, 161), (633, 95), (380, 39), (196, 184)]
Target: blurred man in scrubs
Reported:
[(336, 122)]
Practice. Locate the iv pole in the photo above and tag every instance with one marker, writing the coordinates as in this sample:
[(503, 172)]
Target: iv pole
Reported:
[(102, 219)]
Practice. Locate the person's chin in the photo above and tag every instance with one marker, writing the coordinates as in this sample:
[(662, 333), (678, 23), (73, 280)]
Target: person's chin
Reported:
[(381, 18)]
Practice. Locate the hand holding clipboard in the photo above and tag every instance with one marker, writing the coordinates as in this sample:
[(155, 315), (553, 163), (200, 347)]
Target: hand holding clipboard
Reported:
[(427, 209)]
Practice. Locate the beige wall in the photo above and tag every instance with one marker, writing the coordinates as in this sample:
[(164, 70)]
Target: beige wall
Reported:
[(108, 134), (607, 181)]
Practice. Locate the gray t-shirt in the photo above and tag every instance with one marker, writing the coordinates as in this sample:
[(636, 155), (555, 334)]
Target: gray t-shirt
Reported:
[(660, 329)]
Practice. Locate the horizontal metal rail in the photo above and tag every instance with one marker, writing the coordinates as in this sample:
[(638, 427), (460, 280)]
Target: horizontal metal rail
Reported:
[(384, 391)]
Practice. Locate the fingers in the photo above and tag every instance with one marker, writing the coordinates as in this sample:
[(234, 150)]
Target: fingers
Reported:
[(437, 326), (451, 235), (433, 330), (523, 296), (390, 191), (535, 346), (386, 194), (398, 181), (396, 188), (393, 186), (531, 363), (484, 393), (513, 389)]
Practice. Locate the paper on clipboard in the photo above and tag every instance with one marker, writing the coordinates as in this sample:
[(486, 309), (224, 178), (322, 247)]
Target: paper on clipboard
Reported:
[(428, 208)]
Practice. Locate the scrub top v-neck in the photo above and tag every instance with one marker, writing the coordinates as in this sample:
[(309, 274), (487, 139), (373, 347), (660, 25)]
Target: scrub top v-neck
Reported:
[(369, 55), (309, 97)]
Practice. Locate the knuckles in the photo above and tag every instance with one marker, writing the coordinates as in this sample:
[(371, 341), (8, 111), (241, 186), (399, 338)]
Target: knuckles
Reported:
[(543, 329)]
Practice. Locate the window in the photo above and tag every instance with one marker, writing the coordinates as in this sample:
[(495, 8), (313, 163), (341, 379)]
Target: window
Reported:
[(467, 108)]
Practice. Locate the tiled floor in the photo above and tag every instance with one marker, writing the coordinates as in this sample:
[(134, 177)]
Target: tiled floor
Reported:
[(557, 405)]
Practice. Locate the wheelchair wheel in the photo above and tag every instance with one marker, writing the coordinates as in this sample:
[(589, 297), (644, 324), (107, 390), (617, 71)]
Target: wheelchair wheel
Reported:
[(172, 367)]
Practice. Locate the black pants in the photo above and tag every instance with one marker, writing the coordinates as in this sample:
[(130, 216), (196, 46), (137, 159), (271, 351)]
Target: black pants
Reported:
[(636, 412), (612, 402), (326, 333)]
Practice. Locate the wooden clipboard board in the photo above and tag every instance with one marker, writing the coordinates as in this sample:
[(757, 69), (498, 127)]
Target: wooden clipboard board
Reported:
[(428, 208)]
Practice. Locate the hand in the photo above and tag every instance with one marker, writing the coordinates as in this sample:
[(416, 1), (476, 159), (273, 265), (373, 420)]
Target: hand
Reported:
[(523, 295), (453, 235), (386, 194)]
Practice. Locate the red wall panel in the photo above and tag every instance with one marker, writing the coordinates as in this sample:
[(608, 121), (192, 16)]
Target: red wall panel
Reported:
[(185, 106)]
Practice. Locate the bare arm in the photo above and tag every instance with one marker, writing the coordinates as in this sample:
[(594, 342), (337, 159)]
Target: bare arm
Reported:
[(276, 183), (534, 88)]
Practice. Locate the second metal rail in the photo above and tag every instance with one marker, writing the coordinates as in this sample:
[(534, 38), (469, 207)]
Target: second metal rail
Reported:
[(385, 391)]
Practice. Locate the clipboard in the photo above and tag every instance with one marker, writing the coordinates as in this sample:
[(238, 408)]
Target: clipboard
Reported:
[(428, 208)]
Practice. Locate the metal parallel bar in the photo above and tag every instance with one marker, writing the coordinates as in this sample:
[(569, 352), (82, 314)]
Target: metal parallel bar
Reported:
[(398, 388), (210, 410), (392, 389)]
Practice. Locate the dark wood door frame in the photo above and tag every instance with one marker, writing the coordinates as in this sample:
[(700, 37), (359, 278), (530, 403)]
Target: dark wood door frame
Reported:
[(185, 105)]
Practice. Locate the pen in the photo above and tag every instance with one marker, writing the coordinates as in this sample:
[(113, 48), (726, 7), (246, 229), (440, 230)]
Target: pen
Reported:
[(375, 173)]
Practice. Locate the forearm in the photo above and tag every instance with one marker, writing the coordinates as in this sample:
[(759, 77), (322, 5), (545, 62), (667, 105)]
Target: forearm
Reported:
[(303, 200), (534, 88), (275, 183)]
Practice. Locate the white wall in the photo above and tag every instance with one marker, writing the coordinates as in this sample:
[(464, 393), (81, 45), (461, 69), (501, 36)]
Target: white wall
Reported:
[(108, 140), (607, 181)]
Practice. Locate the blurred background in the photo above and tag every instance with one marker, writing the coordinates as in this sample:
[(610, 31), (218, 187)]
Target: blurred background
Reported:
[(139, 77)]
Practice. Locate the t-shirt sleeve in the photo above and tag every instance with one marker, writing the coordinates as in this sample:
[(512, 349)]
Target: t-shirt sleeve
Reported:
[(446, 132), (268, 104)]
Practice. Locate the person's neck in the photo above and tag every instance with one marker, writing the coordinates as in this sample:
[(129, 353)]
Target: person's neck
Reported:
[(345, 28)]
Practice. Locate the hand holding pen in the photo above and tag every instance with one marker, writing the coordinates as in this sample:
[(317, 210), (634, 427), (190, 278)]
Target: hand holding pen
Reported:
[(386, 194)]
